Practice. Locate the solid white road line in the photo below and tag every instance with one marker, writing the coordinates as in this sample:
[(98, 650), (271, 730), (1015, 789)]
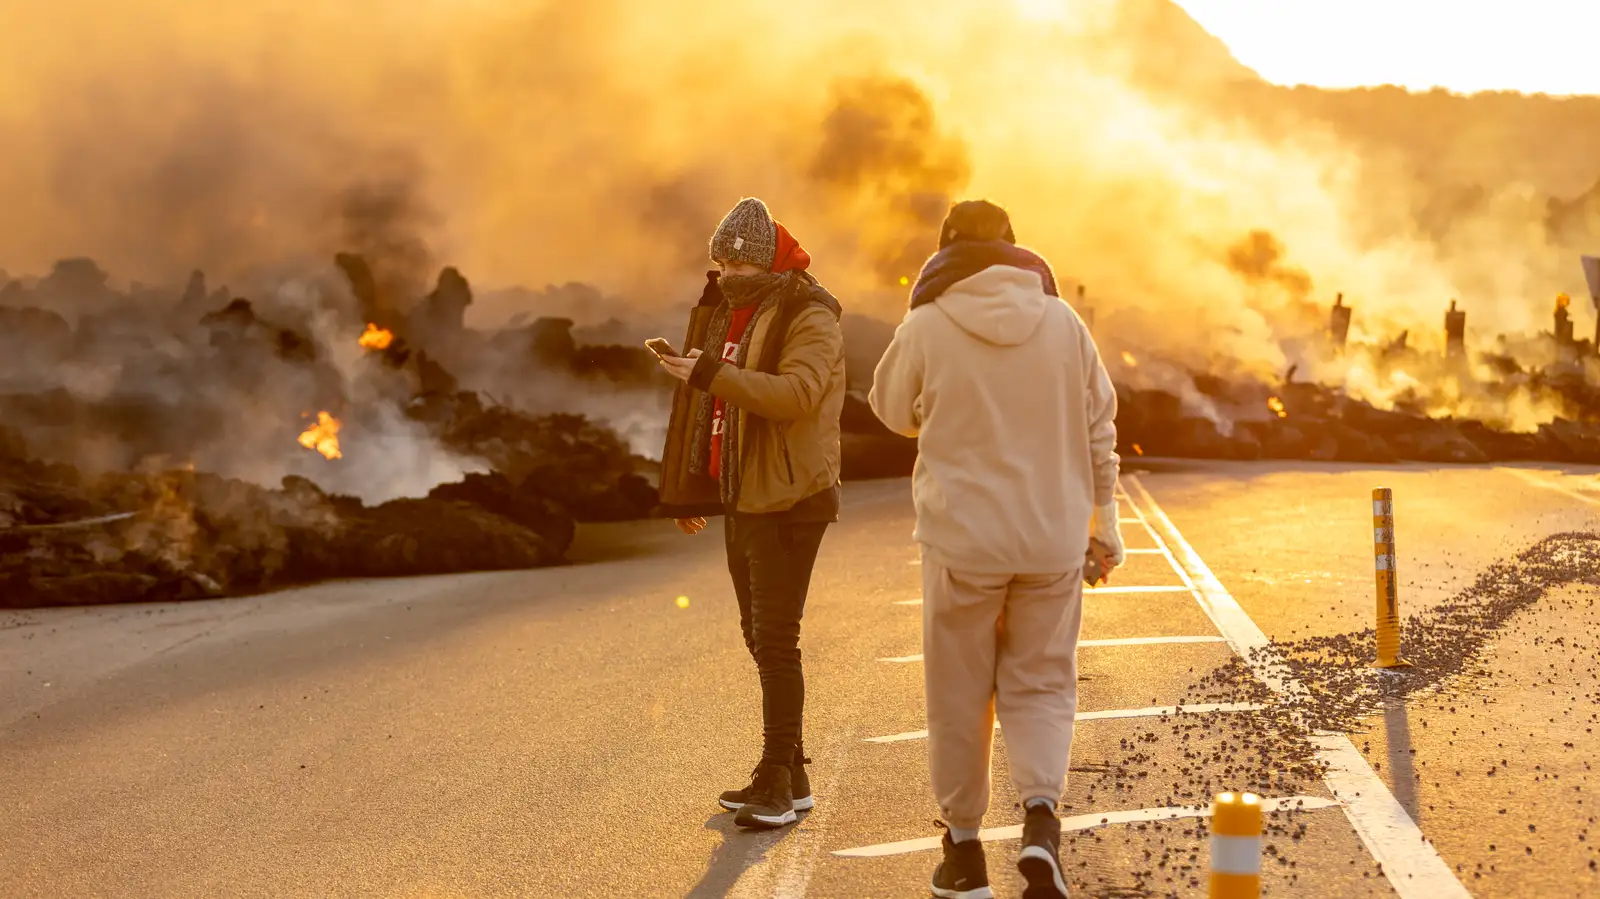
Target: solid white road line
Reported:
[(908, 602), (1155, 711), (1119, 641), (1409, 861), (1089, 822), (1142, 551)]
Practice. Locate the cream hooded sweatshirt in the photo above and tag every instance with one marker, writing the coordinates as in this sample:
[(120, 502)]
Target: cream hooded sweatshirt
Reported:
[(1014, 413)]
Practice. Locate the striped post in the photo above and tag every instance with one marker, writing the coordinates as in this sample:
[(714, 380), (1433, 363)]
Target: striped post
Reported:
[(1236, 846), (1388, 617)]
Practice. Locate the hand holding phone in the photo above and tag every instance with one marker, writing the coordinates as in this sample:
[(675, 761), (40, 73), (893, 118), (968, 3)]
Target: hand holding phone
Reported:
[(1095, 569), (661, 348)]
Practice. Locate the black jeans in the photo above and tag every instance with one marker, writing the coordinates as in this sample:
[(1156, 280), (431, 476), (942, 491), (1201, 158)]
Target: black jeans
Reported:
[(770, 558)]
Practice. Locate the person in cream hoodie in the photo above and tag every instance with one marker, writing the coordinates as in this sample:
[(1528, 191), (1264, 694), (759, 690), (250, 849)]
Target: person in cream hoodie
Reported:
[(1004, 389)]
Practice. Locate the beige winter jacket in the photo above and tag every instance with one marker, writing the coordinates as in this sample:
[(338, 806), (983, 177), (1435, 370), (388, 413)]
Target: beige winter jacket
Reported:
[(1013, 412)]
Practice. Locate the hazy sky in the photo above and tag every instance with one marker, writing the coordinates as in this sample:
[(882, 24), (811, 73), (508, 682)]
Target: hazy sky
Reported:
[(1547, 46)]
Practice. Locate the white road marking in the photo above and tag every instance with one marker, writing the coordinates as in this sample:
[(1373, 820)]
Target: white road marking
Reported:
[(1547, 484), (1149, 641), (1155, 711), (1119, 641), (1089, 822), (1165, 589), (1142, 551), (1411, 864), (908, 602)]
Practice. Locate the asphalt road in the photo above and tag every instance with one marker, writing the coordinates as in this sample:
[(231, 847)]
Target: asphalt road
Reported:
[(564, 732)]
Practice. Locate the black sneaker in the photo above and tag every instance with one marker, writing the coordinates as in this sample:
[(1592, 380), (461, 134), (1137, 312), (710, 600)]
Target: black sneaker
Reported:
[(963, 874), (1040, 858), (799, 782), (769, 802)]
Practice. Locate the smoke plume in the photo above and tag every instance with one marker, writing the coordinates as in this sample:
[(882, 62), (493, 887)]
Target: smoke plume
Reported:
[(554, 143)]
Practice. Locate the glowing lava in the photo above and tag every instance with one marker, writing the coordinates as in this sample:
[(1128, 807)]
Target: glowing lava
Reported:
[(376, 338), (1276, 405), (323, 436)]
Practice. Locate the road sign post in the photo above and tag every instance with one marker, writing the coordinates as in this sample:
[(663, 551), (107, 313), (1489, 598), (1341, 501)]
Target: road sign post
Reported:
[(1388, 617)]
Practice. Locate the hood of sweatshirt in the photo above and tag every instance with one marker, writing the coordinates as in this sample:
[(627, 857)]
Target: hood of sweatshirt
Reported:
[(1002, 305)]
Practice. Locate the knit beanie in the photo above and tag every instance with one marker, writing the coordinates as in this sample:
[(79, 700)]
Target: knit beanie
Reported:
[(747, 234), (978, 220)]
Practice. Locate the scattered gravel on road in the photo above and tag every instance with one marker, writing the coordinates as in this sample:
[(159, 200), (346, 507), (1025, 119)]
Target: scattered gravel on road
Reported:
[(1269, 752), (1444, 642)]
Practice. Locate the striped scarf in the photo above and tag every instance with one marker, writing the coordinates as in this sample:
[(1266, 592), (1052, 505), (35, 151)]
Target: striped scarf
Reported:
[(767, 292)]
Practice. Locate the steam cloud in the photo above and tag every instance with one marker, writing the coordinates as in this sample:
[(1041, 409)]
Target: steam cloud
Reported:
[(599, 142)]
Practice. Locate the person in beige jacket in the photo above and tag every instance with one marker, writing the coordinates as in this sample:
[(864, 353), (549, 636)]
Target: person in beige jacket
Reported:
[(756, 439), (1004, 389)]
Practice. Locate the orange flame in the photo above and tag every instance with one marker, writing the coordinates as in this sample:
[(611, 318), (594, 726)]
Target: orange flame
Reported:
[(1127, 357), (1562, 301), (1137, 450), (376, 338), (1276, 405), (323, 436)]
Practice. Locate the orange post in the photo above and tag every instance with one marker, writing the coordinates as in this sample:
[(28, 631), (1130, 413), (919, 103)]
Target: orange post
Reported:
[(1236, 846), (1388, 617)]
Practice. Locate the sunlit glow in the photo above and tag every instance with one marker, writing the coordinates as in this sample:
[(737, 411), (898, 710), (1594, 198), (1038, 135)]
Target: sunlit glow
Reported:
[(1420, 45), (683, 602), (323, 436), (1043, 10)]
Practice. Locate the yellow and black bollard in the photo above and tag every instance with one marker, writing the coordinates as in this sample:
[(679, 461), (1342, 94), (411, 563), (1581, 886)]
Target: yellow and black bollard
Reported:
[(1236, 846), (1388, 624)]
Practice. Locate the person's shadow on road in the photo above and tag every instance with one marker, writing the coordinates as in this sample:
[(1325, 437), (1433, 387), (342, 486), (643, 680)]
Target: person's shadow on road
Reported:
[(740, 851)]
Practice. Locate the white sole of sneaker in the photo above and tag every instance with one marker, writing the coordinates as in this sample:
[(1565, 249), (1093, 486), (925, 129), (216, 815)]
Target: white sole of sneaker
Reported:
[(788, 817), (975, 893), (1042, 872), (803, 804)]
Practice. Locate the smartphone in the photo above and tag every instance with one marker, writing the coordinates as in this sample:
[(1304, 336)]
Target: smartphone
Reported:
[(1093, 573), (661, 348)]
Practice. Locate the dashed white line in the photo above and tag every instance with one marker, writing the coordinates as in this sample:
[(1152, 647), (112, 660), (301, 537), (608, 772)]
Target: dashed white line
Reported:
[(1089, 822), (1411, 864), (1116, 641), (1156, 711), (1149, 641)]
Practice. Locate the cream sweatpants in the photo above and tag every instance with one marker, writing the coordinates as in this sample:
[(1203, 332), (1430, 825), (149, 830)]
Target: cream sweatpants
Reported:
[(1006, 645)]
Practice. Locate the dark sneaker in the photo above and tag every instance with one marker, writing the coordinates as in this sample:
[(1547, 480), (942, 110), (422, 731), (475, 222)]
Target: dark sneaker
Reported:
[(1040, 858), (963, 873), (799, 782), (769, 802)]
